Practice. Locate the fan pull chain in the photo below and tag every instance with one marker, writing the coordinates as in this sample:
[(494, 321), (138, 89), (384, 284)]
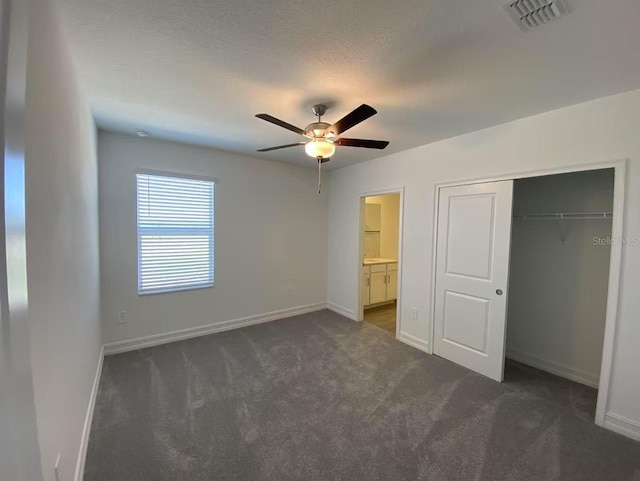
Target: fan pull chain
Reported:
[(319, 174)]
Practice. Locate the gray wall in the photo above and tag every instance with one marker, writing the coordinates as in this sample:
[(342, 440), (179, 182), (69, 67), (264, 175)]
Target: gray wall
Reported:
[(602, 130), (62, 243), (558, 293), (270, 237)]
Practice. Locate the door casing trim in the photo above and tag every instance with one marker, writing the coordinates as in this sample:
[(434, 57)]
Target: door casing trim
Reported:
[(361, 199)]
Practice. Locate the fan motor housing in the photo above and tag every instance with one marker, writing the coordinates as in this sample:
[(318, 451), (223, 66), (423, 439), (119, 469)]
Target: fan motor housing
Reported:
[(316, 129)]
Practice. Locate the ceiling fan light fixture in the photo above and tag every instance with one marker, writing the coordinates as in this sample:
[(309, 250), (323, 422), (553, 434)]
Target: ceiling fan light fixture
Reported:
[(323, 137), (319, 148)]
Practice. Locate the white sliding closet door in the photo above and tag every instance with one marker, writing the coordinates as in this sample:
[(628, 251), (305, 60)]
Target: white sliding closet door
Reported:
[(472, 270)]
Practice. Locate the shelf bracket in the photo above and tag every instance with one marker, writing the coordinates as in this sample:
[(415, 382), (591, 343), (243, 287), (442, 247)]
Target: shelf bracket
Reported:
[(562, 228)]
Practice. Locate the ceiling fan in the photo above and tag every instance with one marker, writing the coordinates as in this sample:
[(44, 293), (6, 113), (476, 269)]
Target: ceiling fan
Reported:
[(323, 137)]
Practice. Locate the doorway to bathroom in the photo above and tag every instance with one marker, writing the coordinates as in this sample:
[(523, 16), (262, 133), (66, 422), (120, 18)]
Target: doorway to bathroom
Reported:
[(380, 252)]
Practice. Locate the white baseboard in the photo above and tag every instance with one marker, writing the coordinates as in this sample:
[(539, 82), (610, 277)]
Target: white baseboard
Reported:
[(414, 341), (86, 430), (554, 368), (167, 337), (622, 425), (343, 311)]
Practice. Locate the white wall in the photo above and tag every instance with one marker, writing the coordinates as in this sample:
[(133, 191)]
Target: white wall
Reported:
[(270, 237), (389, 223), (62, 242), (558, 292), (19, 447), (597, 131)]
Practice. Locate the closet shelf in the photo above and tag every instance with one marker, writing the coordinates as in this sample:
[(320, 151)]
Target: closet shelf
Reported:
[(567, 216)]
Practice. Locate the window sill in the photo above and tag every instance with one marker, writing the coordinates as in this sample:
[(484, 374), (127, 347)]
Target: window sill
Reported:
[(173, 289)]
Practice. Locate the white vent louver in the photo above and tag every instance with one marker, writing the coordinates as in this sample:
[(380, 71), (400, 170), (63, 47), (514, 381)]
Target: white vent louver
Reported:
[(528, 14)]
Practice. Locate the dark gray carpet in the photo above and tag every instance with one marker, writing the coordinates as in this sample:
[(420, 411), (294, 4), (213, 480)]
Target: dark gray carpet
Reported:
[(319, 397)]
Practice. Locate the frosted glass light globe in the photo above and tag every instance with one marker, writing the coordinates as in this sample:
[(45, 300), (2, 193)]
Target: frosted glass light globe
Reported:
[(319, 148)]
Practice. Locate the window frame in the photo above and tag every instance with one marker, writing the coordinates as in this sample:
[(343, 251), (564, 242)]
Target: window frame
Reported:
[(178, 175)]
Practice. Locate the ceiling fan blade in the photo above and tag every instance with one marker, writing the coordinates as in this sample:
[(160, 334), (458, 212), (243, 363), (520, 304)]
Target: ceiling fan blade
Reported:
[(360, 114), (367, 144), (268, 149), (281, 123)]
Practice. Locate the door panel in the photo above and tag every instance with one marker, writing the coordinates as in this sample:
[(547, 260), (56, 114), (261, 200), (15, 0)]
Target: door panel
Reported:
[(392, 285), (470, 255), (378, 291), (471, 316), (472, 270)]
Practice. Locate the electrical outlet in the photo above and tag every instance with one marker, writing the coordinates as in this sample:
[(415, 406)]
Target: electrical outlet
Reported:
[(414, 313), (122, 317), (56, 469), (289, 291)]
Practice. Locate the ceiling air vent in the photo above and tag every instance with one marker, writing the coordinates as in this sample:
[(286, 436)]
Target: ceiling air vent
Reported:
[(529, 14)]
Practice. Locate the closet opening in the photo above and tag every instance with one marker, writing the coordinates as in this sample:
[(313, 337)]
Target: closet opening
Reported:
[(526, 277), (561, 237)]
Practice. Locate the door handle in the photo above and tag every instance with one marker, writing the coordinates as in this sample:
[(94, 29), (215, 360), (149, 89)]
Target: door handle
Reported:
[(499, 292)]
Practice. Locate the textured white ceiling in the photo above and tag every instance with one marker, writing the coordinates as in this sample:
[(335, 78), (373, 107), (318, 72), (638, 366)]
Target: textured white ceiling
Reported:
[(198, 70)]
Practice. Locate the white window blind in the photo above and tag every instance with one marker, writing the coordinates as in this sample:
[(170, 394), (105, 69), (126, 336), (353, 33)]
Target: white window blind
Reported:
[(175, 233)]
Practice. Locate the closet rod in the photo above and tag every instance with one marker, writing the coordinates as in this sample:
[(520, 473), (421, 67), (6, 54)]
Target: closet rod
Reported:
[(567, 216)]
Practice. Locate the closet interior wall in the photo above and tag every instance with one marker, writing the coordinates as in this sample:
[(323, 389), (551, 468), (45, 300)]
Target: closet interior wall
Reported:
[(559, 273)]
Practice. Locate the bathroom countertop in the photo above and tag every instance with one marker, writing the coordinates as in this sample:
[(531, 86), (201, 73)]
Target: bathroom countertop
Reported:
[(378, 260)]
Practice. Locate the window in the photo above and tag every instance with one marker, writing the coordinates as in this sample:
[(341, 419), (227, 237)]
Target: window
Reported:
[(175, 233)]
